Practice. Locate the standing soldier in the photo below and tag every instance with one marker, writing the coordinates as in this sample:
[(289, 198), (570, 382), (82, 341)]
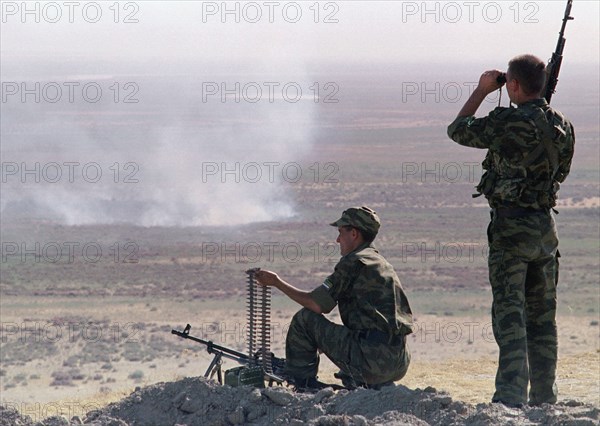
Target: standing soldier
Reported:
[(370, 347), (530, 149)]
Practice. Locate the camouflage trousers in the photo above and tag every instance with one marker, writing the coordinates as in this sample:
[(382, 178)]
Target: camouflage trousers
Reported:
[(364, 361), (523, 271)]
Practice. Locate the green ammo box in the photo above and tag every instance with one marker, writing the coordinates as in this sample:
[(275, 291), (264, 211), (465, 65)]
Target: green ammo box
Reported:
[(245, 376)]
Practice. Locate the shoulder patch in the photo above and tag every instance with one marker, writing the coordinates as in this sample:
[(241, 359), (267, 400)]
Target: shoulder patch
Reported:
[(502, 113), (327, 284)]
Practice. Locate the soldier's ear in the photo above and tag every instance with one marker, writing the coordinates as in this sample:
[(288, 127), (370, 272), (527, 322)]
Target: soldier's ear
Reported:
[(356, 233)]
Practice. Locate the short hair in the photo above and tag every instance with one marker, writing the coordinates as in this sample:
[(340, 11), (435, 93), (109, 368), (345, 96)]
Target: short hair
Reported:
[(530, 71), (366, 236)]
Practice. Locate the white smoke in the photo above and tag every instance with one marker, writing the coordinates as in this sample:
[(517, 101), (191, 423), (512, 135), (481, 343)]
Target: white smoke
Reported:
[(158, 157)]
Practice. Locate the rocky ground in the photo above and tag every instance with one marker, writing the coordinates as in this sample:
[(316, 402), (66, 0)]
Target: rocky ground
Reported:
[(196, 401)]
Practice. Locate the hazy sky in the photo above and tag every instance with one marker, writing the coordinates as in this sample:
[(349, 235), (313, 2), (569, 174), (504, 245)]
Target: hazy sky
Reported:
[(361, 31)]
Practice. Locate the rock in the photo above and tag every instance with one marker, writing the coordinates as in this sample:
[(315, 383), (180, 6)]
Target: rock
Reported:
[(279, 396), (178, 400), (190, 405), (255, 412), (314, 413), (10, 416), (106, 421), (237, 417), (444, 400), (323, 394), (359, 420), (54, 421), (394, 418), (255, 395)]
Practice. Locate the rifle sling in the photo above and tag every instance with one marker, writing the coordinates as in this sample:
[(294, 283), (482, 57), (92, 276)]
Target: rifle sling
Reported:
[(546, 144)]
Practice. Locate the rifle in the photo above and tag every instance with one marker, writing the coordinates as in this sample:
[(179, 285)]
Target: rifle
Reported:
[(555, 62), (251, 374)]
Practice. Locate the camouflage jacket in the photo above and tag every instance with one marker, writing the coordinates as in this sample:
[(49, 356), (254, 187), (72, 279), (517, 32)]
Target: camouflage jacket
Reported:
[(521, 168), (368, 293)]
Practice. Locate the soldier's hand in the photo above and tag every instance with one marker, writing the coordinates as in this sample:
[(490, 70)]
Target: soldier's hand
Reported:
[(266, 277), (487, 81)]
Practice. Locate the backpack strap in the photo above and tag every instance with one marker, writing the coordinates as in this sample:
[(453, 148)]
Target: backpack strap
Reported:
[(547, 133)]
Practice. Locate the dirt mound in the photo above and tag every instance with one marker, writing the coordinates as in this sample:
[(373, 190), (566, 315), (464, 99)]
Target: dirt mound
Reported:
[(196, 401)]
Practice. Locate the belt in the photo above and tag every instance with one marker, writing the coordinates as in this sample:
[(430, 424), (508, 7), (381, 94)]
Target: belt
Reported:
[(376, 336), (517, 212)]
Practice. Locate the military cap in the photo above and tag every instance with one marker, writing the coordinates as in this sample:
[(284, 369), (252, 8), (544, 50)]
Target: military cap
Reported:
[(363, 218)]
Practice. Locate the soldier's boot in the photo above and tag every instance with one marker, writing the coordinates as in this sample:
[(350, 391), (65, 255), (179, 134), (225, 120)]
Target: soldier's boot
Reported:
[(310, 384), (350, 383), (347, 380), (548, 397)]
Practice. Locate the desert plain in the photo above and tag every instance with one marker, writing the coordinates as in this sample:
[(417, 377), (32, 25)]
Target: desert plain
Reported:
[(80, 331)]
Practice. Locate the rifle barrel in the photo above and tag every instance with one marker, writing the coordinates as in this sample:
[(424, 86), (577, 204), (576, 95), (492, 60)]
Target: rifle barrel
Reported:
[(556, 60)]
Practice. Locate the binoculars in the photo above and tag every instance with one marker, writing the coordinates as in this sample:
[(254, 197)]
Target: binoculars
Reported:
[(501, 79)]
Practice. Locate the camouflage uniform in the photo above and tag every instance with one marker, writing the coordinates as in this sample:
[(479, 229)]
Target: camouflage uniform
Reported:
[(530, 149), (369, 348)]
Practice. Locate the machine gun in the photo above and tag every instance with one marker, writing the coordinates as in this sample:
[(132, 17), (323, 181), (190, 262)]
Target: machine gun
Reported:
[(555, 62), (251, 374), (259, 364)]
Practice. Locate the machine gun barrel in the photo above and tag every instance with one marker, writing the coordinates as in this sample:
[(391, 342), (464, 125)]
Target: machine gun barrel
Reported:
[(212, 348)]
